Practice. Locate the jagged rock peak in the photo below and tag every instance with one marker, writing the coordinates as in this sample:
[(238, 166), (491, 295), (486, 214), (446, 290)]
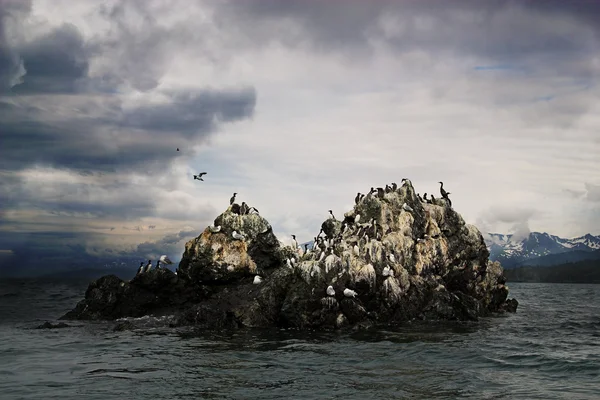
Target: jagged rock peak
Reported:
[(243, 246)]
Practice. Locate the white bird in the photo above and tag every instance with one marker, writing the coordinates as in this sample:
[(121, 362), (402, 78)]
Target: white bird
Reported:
[(288, 263), (330, 291), (165, 260), (322, 256), (357, 218), (387, 271), (237, 236), (257, 280), (349, 293), (356, 250), (406, 207), (392, 258), (214, 229)]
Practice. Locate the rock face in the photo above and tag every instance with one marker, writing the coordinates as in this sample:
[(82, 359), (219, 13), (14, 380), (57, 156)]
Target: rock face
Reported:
[(392, 259)]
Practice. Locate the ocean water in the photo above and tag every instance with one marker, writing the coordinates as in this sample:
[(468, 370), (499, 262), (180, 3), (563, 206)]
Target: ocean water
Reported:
[(549, 349)]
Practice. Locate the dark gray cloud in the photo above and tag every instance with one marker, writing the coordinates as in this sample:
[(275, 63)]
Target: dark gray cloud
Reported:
[(116, 138), (506, 31), (57, 62), (11, 65)]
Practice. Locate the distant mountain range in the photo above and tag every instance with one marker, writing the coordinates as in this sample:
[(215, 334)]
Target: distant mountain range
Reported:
[(541, 249)]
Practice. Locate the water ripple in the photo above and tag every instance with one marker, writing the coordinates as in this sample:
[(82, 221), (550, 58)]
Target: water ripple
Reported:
[(548, 350)]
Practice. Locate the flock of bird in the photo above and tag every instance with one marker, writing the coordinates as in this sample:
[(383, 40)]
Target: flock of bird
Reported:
[(145, 268), (327, 245), (331, 247)]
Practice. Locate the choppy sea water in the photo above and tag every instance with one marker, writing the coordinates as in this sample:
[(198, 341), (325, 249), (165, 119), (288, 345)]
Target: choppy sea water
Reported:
[(549, 349)]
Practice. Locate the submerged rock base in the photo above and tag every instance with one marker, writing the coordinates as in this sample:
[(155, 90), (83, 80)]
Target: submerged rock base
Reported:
[(392, 259)]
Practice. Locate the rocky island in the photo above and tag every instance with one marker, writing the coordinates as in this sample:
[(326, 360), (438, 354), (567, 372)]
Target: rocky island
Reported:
[(393, 258)]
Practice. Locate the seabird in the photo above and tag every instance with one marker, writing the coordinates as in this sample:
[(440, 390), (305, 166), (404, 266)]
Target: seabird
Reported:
[(394, 186), (244, 208), (322, 256), (232, 199), (253, 209), (237, 236), (214, 229), (178, 149), (356, 250), (288, 263), (387, 271), (295, 242), (357, 218), (406, 207), (199, 176), (392, 258), (357, 198), (330, 291), (419, 197), (257, 279), (141, 269), (380, 193), (148, 266), (445, 194), (306, 250), (157, 264), (349, 293), (331, 216), (387, 188), (165, 260)]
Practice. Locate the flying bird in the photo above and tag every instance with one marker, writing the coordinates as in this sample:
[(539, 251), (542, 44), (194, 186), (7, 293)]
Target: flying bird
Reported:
[(199, 176), (178, 149)]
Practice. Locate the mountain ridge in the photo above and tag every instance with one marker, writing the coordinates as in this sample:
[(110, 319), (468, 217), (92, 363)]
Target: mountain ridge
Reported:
[(537, 248)]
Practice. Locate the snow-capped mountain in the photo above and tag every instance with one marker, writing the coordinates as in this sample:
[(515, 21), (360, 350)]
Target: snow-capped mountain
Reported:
[(512, 252)]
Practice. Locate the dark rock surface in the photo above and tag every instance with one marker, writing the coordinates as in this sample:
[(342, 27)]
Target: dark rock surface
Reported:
[(404, 259)]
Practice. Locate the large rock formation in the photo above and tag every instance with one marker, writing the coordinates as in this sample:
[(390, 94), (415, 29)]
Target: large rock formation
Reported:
[(396, 258)]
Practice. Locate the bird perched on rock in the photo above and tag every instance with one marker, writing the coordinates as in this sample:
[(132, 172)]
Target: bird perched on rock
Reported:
[(357, 198), (141, 269), (295, 242), (406, 207), (165, 260), (257, 279), (148, 266), (253, 209), (394, 186), (444, 193), (199, 176), (232, 199), (244, 208), (330, 291), (214, 229), (387, 271), (331, 216), (237, 236), (349, 293)]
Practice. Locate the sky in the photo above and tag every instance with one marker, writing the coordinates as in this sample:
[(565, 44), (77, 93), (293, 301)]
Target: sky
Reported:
[(296, 105)]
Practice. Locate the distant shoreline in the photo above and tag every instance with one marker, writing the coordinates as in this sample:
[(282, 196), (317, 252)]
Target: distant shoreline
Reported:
[(587, 271)]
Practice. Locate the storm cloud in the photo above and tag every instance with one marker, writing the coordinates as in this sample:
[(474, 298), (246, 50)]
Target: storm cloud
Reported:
[(296, 105)]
